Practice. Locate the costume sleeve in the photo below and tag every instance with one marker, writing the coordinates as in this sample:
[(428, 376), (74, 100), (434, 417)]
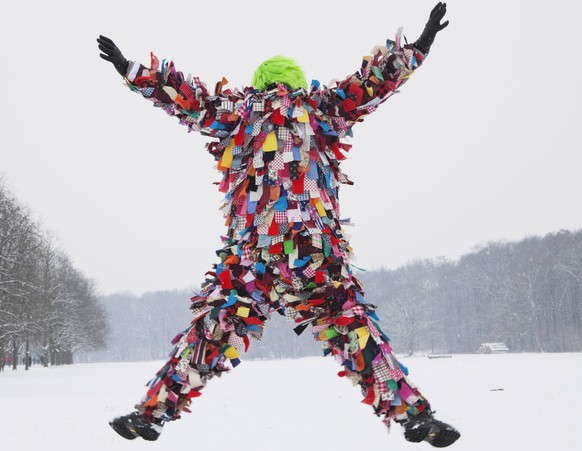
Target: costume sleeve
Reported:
[(360, 94), (186, 98)]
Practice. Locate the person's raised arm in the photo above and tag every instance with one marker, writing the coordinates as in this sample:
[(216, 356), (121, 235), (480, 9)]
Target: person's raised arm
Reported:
[(187, 99), (379, 77)]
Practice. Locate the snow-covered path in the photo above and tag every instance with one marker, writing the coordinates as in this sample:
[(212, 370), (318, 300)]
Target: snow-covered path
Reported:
[(300, 405)]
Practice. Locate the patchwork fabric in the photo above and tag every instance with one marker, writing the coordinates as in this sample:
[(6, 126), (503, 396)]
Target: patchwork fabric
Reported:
[(279, 152)]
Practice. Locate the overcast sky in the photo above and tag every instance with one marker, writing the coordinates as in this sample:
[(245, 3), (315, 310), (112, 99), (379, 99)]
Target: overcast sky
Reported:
[(481, 144)]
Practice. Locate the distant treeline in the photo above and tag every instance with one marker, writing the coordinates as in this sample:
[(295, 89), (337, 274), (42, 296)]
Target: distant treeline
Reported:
[(48, 309), (141, 328), (527, 294)]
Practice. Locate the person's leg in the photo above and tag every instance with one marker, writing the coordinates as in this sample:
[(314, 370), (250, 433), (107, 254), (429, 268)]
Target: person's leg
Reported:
[(332, 300), (230, 309)]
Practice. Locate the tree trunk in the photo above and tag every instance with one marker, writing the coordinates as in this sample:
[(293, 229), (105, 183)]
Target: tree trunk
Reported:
[(46, 354), (26, 355), (14, 354)]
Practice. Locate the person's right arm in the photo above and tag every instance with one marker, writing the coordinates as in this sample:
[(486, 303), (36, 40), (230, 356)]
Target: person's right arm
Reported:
[(168, 89)]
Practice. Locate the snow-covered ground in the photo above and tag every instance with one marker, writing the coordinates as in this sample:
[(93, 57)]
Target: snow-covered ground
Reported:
[(499, 402)]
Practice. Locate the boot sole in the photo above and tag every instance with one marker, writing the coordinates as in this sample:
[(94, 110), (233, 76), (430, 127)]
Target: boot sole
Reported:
[(444, 438), (123, 431), (417, 433)]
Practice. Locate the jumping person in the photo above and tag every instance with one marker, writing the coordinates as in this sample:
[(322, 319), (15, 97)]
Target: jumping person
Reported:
[(279, 144)]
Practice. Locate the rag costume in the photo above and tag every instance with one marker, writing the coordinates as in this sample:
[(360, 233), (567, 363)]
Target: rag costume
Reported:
[(279, 151)]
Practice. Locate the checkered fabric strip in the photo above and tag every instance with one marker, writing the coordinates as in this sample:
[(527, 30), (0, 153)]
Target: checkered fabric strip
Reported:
[(265, 310), (240, 224), (358, 310), (262, 229), (310, 185), (290, 313), (283, 133), (259, 106), (278, 162), (381, 370), (146, 92), (280, 217), (258, 124), (222, 134), (246, 254), (236, 341), (382, 388), (309, 272), (396, 374), (278, 238)]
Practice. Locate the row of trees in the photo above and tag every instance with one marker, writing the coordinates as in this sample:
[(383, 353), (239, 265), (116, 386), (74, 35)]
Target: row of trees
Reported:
[(48, 308), (527, 294), (141, 328)]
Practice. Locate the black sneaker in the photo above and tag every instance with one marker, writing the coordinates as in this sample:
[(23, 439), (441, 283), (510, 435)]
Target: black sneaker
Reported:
[(134, 425), (424, 427)]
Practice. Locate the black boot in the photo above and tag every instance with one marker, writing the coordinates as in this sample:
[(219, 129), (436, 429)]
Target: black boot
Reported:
[(424, 427), (135, 425)]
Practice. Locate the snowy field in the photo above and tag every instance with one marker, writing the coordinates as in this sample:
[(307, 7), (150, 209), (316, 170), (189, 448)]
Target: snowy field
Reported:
[(499, 402)]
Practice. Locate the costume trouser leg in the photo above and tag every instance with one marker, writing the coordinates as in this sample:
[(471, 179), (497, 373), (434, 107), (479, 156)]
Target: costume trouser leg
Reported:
[(352, 335), (229, 311)]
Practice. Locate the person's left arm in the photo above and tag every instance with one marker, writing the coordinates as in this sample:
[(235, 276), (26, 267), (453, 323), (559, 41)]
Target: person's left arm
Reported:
[(379, 77)]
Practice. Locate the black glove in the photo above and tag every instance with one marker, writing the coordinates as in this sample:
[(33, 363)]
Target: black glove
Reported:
[(112, 54), (433, 26)]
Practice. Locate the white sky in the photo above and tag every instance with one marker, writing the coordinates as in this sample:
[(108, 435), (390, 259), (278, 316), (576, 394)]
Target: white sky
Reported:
[(482, 144)]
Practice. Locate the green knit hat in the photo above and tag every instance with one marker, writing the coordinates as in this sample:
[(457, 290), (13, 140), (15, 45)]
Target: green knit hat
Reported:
[(279, 69)]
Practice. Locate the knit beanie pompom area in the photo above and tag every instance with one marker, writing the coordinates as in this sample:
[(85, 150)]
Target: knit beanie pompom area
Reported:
[(279, 69)]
